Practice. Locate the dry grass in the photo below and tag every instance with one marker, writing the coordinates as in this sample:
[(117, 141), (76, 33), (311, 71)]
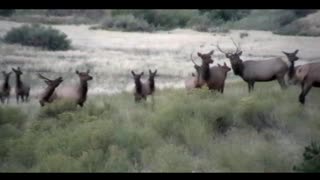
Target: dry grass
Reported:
[(111, 55)]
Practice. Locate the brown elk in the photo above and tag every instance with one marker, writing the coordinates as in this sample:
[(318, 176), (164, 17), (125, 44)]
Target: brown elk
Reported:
[(143, 89), (203, 71), (22, 89), (193, 81), (77, 93), (47, 95), (6, 88), (214, 77), (252, 71), (308, 75)]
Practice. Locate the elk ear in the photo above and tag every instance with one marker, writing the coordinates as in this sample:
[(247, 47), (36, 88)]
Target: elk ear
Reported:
[(199, 54), (47, 82), (77, 72), (193, 75), (210, 53), (155, 72), (88, 71), (239, 53), (285, 53), (13, 70), (296, 51), (141, 74), (225, 64), (150, 72), (134, 74), (219, 65)]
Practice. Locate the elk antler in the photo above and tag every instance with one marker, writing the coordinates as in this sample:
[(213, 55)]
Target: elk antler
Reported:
[(193, 60), (218, 47), (42, 77), (237, 46)]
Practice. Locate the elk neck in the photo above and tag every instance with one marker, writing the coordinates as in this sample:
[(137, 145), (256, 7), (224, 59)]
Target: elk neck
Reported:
[(151, 84), (138, 86), (83, 89), (19, 82), (6, 83), (205, 71), (49, 92), (291, 69), (238, 68)]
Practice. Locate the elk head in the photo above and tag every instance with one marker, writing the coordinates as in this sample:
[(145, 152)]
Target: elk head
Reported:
[(17, 71), (292, 56), (137, 81), (84, 76), (225, 67), (234, 57), (152, 75), (6, 75), (51, 83)]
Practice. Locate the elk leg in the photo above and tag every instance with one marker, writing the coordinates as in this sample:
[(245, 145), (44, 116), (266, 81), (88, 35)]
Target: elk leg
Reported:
[(8, 100), (250, 85), (282, 83), (305, 90), (17, 97)]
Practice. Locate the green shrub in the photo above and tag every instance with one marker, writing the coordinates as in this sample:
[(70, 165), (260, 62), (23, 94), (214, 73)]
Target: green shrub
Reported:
[(38, 36), (7, 12), (125, 23), (311, 159), (57, 108)]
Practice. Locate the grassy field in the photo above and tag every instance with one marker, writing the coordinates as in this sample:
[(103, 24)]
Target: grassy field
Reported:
[(186, 132)]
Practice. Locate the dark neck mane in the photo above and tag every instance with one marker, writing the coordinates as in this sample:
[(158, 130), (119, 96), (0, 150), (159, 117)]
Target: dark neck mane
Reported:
[(138, 86), (151, 84), (6, 84), (205, 72), (19, 82), (238, 68), (83, 89), (291, 69), (49, 93)]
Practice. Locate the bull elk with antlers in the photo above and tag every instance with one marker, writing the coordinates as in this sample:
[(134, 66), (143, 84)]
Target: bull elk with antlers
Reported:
[(48, 94), (252, 71), (22, 89)]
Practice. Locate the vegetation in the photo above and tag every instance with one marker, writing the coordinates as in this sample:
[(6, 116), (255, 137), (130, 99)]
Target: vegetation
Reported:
[(6, 12), (209, 20), (38, 36), (232, 132), (311, 158)]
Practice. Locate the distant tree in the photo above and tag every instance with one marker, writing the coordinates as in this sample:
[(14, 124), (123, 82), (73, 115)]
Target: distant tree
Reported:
[(6, 12)]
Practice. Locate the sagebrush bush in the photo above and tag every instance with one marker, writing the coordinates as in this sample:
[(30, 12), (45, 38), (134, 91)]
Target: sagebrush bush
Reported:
[(311, 159), (38, 36), (200, 131), (125, 23)]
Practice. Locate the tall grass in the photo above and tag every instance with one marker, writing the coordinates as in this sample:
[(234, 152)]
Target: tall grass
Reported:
[(200, 131)]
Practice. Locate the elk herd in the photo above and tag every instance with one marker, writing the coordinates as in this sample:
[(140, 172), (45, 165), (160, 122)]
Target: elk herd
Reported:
[(213, 77)]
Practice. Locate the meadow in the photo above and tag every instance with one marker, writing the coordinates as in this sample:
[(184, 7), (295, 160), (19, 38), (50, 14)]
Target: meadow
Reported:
[(198, 131)]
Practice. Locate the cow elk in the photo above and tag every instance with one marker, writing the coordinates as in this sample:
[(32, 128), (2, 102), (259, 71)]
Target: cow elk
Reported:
[(48, 94), (76, 93), (22, 89), (144, 89), (6, 88), (252, 71), (308, 75)]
